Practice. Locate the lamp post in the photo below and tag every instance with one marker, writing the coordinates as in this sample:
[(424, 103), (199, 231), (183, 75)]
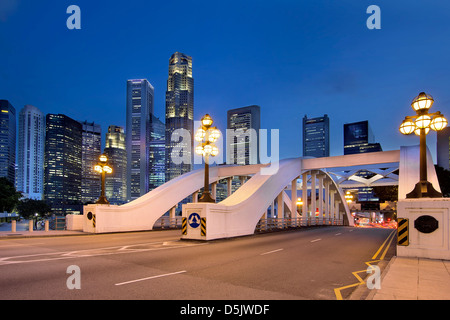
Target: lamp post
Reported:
[(103, 167), (421, 124), (207, 135)]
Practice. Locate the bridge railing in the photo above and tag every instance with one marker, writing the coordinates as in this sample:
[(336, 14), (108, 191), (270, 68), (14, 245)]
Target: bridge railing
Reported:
[(270, 224)]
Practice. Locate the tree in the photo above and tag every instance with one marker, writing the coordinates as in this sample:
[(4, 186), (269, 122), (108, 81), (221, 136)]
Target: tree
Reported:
[(386, 193), (443, 176), (28, 208), (9, 196)]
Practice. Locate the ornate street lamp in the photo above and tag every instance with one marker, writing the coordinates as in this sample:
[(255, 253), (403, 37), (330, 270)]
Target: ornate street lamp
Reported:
[(421, 124), (103, 167), (207, 135)]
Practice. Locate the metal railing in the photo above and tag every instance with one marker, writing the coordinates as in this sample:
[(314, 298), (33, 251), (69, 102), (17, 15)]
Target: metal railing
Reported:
[(168, 223)]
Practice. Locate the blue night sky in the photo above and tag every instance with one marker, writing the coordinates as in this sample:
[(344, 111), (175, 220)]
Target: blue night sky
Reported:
[(291, 57)]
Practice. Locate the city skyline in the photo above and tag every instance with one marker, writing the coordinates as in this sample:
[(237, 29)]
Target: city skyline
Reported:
[(367, 74)]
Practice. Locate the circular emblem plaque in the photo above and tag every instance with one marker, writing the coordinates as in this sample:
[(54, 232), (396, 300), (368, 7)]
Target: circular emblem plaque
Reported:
[(426, 224)]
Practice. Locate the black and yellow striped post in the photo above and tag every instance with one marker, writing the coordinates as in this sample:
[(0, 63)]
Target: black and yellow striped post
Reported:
[(93, 220), (184, 226), (403, 232), (203, 227)]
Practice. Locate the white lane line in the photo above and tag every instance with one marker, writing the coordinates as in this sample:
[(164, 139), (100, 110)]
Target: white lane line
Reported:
[(316, 240), (269, 252), (338, 234), (149, 278)]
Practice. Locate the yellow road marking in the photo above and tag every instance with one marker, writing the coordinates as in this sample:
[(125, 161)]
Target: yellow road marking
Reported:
[(390, 237)]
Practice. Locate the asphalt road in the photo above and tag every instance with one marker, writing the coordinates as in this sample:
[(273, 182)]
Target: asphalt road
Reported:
[(302, 264)]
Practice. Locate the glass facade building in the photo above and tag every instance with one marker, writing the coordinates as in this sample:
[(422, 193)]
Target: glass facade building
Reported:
[(30, 155), (7, 141), (157, 153), (316, 136), (63, 164), (90, 152), (115, 150), (140, 101), (243, 126), (358, 138), (179, 116)]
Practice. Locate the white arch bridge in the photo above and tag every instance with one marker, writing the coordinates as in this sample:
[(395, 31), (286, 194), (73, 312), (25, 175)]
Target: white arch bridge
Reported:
[(318, 181)]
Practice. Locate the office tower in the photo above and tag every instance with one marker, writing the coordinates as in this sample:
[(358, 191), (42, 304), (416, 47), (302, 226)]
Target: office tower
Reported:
[(140, 100), (7, 141), (358, 138), (157, 153), (30, 155), (116, 182), (443, 148), (91, 148), (62, 164), (179, 115), (243, 126), (316, 137)]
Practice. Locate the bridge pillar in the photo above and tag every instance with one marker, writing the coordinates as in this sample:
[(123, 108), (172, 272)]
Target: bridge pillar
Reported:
[(305, 197), (313, 196), (213, 190), (280, 213), (321, 199), (327, 200), (229, 186), (294, 214), (332, 205)]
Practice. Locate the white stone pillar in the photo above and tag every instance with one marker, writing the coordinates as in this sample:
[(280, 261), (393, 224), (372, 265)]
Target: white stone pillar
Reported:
[(229, 185), (321, 199), (327, 200), (332, 207), (213, 190), (294, 214), (313, 196), (280, 214), (305, 197), (172, 212)]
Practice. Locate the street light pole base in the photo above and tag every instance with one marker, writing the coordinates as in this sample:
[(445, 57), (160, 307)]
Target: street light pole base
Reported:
[(102, 200), (424, 189), (206, 197)]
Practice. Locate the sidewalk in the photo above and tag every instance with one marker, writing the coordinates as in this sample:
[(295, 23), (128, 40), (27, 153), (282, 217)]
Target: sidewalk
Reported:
[(414, 279)]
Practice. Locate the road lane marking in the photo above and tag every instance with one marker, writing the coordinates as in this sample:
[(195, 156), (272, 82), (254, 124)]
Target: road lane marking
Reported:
[(337, 291), (149, 278), (50, 256), (338, 234), (269, 252), (382, 245), (316, 240)]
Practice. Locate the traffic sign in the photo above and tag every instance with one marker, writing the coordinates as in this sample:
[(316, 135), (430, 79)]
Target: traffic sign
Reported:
[(194, 220)]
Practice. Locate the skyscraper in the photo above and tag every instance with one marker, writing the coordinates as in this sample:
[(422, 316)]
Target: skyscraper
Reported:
[(179, 116), (30, 157), (358, 138), (316, 137), (91, 146), (157, 152), (62, 164), (140, 101), (243, 126), (7, 141), (116, 182)]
